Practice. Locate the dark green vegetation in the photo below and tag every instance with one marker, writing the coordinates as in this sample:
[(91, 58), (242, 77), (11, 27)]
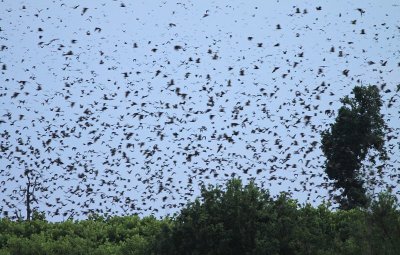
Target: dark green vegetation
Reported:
[(358, 130), (96, 235), (237, 219)]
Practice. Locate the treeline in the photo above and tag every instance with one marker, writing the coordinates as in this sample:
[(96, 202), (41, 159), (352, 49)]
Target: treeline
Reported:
[(235, 219)]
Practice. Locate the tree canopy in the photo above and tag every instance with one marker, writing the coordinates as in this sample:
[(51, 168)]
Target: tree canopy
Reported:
[(235, 219), (358, 129), (242, 219)]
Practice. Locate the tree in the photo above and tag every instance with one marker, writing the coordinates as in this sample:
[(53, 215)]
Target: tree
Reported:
[(229, 221), (32, 185), (384, 223), (358, 129), (24, 179)]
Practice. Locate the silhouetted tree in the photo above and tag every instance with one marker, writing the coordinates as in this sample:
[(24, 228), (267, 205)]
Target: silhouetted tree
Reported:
[(27, 194), (359, 127)]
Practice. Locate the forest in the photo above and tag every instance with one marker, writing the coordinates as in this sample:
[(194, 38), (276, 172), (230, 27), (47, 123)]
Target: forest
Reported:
[(235, 219)]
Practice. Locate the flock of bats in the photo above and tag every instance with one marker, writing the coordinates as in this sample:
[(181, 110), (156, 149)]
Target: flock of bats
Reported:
[(97, 116)]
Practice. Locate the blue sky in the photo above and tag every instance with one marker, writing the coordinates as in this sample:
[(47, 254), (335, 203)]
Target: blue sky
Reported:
[(147, 100)]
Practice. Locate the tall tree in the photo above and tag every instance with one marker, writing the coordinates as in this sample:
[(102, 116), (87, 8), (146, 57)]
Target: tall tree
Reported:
[(28, 192), (359, 128), (25, 181)]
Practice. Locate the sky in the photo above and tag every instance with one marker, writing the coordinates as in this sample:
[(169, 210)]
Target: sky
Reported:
[(128, 107)]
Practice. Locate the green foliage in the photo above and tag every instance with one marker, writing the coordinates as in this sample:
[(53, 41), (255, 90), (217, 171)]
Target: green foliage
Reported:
[(236, 219), (97, 235), (246, 220), (384, 222), (223, 221), (359, 127)]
